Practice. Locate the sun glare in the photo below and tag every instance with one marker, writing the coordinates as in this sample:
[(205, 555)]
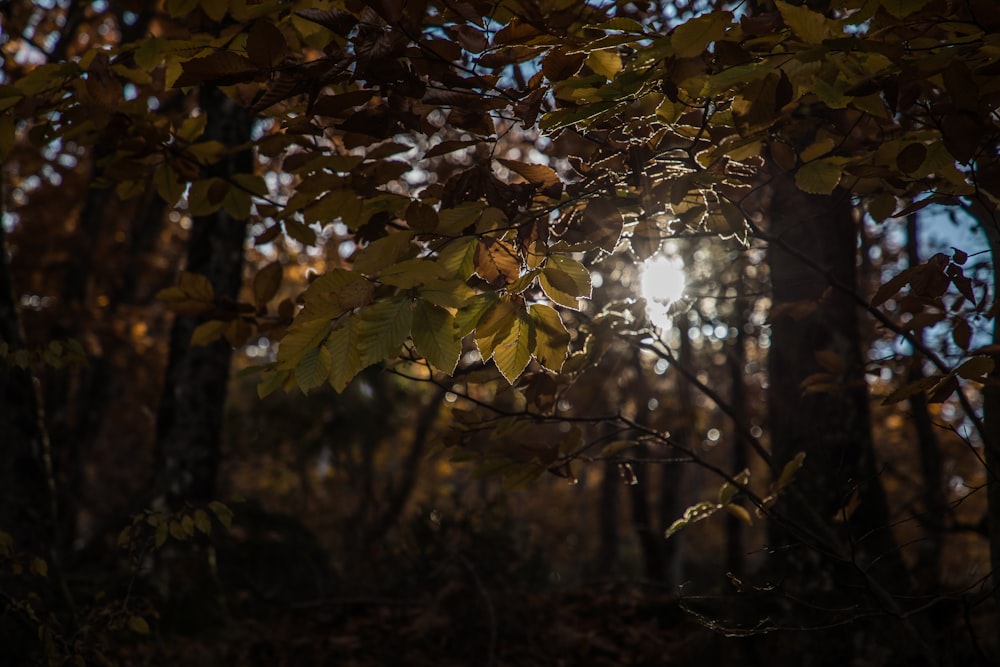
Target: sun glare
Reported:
[(662, 284)]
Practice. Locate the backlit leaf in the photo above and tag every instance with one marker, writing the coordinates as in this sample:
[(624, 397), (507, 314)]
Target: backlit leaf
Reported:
[(551, 338), (497, 262), (513, 353), (435, 337)]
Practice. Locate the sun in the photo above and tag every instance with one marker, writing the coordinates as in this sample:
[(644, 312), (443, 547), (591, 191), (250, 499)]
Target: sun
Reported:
[(662, 283)]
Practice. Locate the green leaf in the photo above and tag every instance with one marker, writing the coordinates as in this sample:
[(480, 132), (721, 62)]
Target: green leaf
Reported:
[(514, 352), (344, 345), (692, 37), (313, 369), (820, 177), (383, 328), (302, 336), (495, 327), (551, 337), (382, 252), (471, 314), (565, 281), (434, 336)]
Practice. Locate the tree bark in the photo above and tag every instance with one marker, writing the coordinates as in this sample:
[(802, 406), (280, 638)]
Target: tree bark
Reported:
[(189, 423), (837, 494)]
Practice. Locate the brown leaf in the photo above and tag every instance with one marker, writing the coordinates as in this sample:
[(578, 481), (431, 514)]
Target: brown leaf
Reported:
[(911, 157), (602, 224), (646, 239), (266, 46), (497, 262), (222, 68), (472, 40), (559, 65), (541, 174), (336, 20), (266, 284)]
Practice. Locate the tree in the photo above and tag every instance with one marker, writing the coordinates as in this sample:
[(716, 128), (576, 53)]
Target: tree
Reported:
[(387, 132)]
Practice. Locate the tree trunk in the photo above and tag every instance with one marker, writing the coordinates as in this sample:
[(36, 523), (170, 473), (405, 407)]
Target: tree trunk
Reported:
[(190, 418), (833, 536)]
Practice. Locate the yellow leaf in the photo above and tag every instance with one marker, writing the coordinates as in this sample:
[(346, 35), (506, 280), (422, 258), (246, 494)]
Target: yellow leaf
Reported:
[(222, 513), (138, 625), (344, 345), (809, 26), (514, 352), (313, 369), (202, 522), (605, 62), (207, 333), (551, 338), (434, 336), (692, 37), (821, 176), (818, 149)]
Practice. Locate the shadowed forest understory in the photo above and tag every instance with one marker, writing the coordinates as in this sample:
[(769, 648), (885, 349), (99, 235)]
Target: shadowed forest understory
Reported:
[(499, 332)]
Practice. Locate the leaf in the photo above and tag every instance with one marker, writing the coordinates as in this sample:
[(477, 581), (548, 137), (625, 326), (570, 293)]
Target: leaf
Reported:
[(693, 514), (821, 176), (497, 262), (383, 327), (495, 326), (222, 513), (911, 388), (344, 344), (911, 158), (605, 62), (472, 313), (202, 522), (551, 338), (266, 44), (891, 287), (541, 174), (646, 239), (565, 281), (603, 224), (975, 368), (434, 336), (789, 471), (138, 625), (221, 68), (692, 37), (809, 26), (313, 369), (301, 337), (740, 513), (266, 284), (208, 332), (830, 361), (449, 146), (514, 351)]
